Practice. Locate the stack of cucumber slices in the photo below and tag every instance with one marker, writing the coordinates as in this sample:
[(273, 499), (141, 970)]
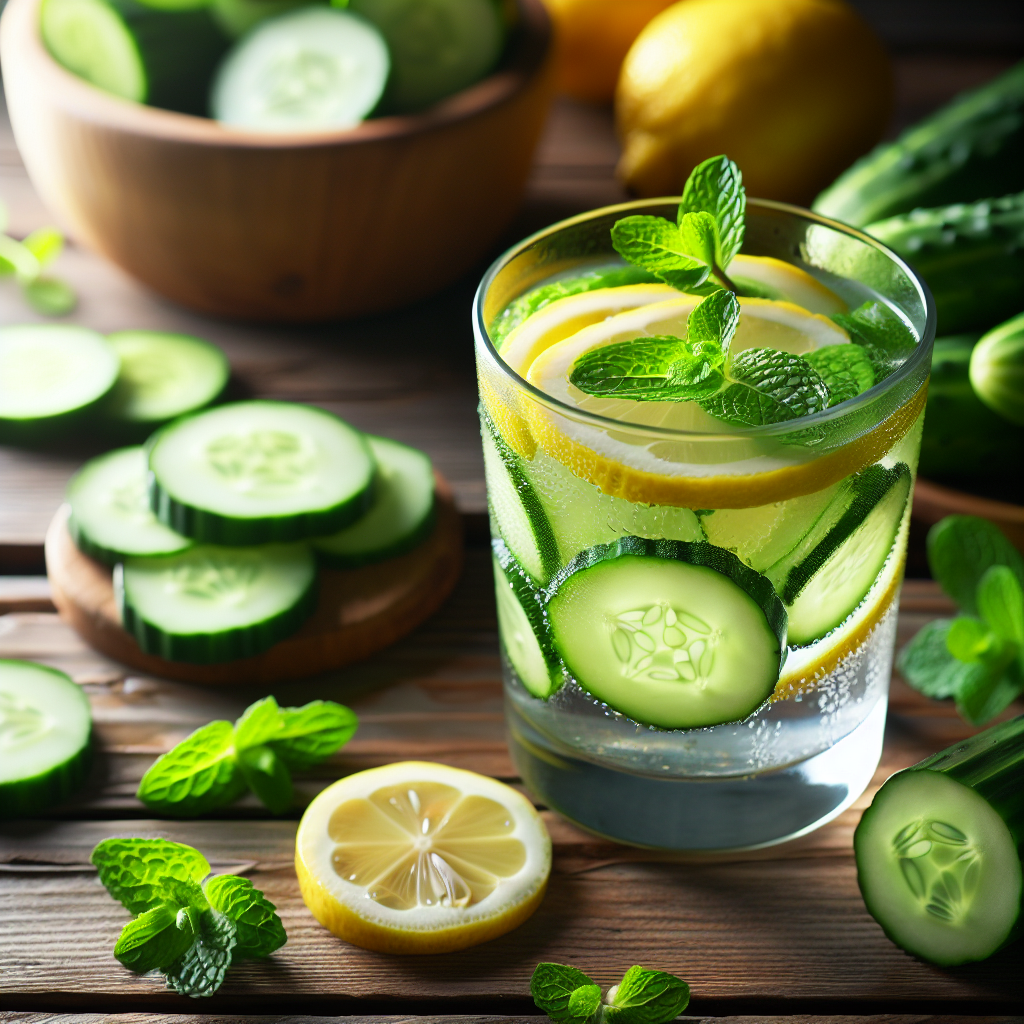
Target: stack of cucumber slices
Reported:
[(216, 527)]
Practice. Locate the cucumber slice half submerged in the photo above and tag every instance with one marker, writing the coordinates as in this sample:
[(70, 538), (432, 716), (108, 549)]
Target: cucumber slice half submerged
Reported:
[(214, 604), (45, 724), (668, 633), (110, 513), (256, 472)]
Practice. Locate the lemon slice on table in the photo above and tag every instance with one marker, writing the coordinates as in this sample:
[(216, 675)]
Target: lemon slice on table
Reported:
[(418, 857)]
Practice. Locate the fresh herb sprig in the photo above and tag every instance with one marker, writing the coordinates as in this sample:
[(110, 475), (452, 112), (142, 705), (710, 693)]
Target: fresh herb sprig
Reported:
[(189, 929), (568, 996), (978, 657), (220, 761), (26, 262)]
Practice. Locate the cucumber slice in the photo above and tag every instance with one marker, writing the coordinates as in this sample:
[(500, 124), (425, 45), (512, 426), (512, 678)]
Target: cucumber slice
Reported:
[(517, 511), (938, 850), (110, 513), (254, 472), (400, 518), (524, 628), (670, 634), (164, 57), (45, 724), (213, 604), (825, 578), (163, 376), (50, 373), (313, 69), (437, 46)]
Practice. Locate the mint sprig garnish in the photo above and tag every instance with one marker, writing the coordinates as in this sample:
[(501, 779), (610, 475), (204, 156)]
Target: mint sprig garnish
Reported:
[(885, 338), (26, 262), (220, 761), (707, 234), (189, 929), (568, 996), (976, 658), (845, 370)]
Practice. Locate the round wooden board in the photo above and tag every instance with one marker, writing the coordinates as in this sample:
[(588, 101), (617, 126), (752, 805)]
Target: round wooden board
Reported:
[(360, 611)]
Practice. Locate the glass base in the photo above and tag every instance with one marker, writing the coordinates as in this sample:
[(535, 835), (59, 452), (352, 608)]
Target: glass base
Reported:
[(706, 814)]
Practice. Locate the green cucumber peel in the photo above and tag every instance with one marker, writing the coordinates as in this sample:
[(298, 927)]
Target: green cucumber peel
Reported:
[(189, 929), (220, 761), (976, 658), (568, 996)]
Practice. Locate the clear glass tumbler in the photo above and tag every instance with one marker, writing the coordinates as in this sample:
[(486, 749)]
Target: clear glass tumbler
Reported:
[(568, 484)]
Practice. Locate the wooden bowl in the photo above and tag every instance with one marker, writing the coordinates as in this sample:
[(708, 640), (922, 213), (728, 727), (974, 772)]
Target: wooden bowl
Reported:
[(262, 226), (933, 502)]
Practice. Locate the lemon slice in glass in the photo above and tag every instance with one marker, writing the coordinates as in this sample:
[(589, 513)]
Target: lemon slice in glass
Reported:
[(418, 857)]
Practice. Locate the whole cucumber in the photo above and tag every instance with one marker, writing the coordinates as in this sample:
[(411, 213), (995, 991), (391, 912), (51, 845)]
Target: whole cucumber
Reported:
[(971, 148), (997, 370), (971, 255)]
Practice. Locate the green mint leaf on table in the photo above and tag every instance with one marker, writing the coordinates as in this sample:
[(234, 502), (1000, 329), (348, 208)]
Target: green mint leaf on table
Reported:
[(258, 723), (258, 929), (970, 640), (46, 244), (313, 732), (885, 338), (985, 693), (552, 987), (50, 296), (845, 370), (716, 187), (158, 937), (584, 1002), (658, 246), (146, 873), (646, 997), (267, 776), (17, 259), (1000, 601), (200, 970), (927, 664)]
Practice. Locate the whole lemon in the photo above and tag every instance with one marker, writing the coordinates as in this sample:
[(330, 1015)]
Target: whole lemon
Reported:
[(792, 90), (591, 39)]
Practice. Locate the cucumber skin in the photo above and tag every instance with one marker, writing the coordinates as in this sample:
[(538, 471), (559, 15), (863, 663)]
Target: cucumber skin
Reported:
[(991, 763), (970, 148), (27, 797), (700, 553), (972, 257), (216, 648), (333, 560), (102, 554)]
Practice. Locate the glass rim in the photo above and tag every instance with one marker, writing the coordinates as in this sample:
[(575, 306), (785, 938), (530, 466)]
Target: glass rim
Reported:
[(906, 370)]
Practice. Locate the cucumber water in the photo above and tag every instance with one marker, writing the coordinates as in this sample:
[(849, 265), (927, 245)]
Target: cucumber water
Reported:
[(939, 849)]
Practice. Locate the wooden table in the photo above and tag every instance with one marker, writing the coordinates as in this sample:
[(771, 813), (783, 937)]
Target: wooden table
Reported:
[(783, 932)]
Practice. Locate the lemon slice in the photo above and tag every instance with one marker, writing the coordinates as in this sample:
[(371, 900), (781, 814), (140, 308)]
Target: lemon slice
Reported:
[(787, 282), (418, 857)]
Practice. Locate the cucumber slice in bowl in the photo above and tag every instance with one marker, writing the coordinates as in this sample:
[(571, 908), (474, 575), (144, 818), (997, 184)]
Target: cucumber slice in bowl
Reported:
[(400, 518), (110, 513), (51, 374), (524, 628), (215, 604), (163, 376), (259, 472), (313, 69), (938, 850), (45, 725), (671, 634)]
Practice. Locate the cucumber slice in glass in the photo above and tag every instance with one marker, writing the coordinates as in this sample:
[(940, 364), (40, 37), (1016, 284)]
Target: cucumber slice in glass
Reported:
[(50, 373), (163, 376), (831, 571), (214, 604), (255, 472), (437, 46), (45, 722), (313, 69), (524, 628), (670, 634), (400, 518), (110, 514)]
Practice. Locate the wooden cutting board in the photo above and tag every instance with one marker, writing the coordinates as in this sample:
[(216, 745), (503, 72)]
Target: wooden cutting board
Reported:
[(360, 611)]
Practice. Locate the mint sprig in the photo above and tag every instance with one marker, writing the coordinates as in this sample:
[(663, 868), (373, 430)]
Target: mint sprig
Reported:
[(189, 929), (976, 658), (885, 338), (845, 370), (568, 996), (220, 761), (26, 262), (708, 232)]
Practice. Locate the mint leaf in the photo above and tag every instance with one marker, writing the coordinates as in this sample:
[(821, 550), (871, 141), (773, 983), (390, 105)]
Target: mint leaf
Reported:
[(845, 369), (584, 1002), (17, 259), (765, 386), (258, 929), (154, 939), (647, 997), (712, 324), (970, 640), (928, 666), (699, 234), (961, 549), (552, 986), (657, 245), (267, 776), (258, 723), (46, 244), (640, 369), (1000, 602), (885, 338), (50, 296), (716, 187), (986, 693), (145, 873), (313, 732), (200, 970), (196, 776)]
